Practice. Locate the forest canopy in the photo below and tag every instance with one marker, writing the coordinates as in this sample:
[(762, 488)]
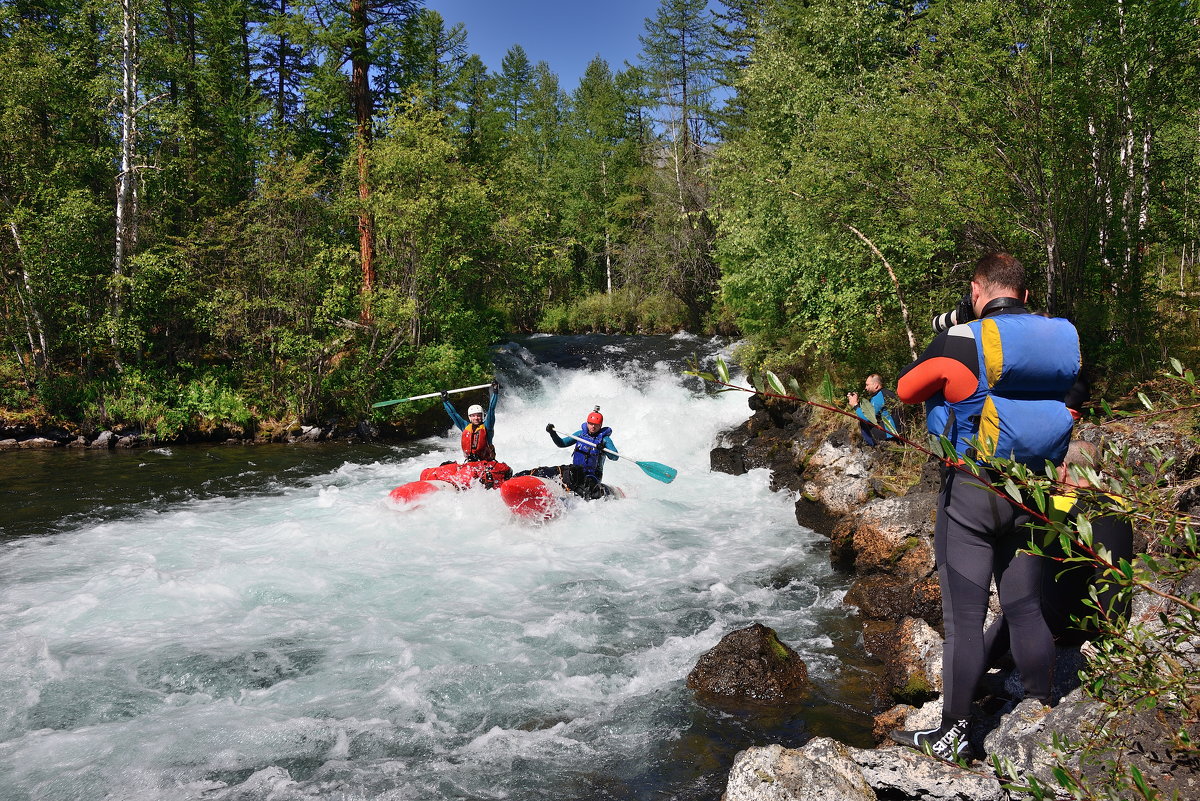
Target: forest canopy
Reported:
[(249, 210)]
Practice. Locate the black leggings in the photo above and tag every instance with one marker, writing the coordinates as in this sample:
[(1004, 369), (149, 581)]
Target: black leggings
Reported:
[(977, 535)]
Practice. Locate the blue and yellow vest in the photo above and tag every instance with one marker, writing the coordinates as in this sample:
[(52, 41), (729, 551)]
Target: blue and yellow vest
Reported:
[(1027, 363), (587, 450)]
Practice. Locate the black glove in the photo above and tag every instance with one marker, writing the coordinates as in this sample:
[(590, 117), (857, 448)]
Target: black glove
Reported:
[(445, 396), (550, 427), (495, 387)]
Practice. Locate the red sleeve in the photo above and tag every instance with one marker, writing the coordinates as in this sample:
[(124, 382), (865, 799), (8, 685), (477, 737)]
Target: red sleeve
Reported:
[(949, 365)]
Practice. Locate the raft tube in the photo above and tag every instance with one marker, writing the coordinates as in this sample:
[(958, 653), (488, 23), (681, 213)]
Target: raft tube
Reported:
[(414, 493), (533, 497), (541, 499)]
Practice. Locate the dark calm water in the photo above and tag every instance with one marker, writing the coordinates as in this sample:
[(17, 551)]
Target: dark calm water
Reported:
[(253, 622)]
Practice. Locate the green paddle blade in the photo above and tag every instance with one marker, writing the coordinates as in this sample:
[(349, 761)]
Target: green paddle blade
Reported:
[(661, 472)]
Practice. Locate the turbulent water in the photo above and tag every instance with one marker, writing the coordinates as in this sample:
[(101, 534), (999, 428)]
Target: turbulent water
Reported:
[(260, 623)]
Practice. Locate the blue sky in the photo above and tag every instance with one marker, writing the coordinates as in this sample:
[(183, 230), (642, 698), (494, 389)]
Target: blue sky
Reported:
[(566, 34)]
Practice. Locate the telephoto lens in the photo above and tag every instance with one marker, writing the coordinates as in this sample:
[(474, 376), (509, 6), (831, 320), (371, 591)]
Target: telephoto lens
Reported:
[(964, 312)]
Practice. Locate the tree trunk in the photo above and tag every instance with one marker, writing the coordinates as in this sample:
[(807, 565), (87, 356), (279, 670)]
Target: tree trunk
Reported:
[(126, 210), (360, 91)]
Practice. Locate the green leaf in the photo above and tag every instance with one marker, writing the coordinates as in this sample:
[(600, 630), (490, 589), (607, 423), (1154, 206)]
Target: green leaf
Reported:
[(1176, 366), (775, 384), (1145, 401), (722, 370)]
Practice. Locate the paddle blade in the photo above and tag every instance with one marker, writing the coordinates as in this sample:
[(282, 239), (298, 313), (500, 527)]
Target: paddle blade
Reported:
[(387, 403), (659, 472)]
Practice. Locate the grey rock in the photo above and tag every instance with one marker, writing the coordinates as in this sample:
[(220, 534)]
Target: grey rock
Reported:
[(822, 771), (899, 772), (106, 439), (36, 443), (8, 444)]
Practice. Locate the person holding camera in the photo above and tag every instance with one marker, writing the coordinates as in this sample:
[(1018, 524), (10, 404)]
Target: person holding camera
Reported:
[(993, 386), (884, 426)]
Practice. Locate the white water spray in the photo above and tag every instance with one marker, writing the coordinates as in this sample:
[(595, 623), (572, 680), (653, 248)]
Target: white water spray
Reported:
[(321, 644)]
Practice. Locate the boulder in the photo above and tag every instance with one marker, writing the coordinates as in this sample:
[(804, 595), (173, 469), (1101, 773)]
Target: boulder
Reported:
[(727, 460), (822, 771), (105, 440), (890, 535), (8, 444), (750, 664)]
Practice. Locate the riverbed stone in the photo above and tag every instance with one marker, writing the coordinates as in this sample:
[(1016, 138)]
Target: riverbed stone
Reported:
[(8, 444), (750, 664), (822, 771), (104, 440)]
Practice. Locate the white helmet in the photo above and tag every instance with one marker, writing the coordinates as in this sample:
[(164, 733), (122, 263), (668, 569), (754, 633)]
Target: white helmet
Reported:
[(475, 409)]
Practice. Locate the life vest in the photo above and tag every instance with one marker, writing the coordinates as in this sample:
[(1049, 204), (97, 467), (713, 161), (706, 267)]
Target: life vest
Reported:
[(1027, 364), (587, 452), (476, 444)]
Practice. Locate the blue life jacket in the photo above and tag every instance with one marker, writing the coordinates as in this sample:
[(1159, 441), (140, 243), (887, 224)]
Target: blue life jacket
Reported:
[(587, 452), (1027, 363)]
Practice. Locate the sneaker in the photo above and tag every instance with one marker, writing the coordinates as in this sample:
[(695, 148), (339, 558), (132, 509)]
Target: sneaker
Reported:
[(947, 742)]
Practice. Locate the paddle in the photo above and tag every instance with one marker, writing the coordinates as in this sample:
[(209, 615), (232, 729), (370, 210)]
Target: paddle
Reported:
[(429, 395), (656, 470)]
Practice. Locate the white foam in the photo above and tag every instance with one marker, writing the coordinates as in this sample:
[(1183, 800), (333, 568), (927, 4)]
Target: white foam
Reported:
[(256, 645)]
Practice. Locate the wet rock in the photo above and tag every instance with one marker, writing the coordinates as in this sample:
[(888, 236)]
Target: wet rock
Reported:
[(891, 535), (78, 442), (105, 440), (36, 443), (927, 600), (307, 434), (822, 771), (812, 513), (129, 441), (750, 664), (8, 444), (727, 460), (882, 597), (913, 662)]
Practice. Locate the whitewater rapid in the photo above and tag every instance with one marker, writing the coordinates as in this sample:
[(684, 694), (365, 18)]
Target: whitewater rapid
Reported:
[(318, 643)]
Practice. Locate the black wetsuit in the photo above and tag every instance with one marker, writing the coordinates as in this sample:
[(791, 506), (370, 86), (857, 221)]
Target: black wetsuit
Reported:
[(977, 536), (1065, 587)]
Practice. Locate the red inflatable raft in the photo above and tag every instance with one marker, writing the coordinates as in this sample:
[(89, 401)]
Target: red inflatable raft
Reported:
[(540, 499), (451, 475)]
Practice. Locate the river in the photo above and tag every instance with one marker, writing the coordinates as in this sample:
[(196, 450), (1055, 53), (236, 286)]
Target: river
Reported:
[(261, 623)]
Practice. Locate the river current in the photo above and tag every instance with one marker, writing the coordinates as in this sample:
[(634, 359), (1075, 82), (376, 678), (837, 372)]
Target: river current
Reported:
[(259, 623)]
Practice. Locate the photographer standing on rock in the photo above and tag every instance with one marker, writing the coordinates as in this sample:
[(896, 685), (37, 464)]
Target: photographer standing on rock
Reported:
[(993, 386), (884, 426)]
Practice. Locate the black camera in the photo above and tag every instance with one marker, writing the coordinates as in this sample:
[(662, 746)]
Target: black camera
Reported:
[(964, 312)]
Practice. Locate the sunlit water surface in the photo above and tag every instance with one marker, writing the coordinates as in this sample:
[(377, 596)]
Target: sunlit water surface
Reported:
[(270, 627)]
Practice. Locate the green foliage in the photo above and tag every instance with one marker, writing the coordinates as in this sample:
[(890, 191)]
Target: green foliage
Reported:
[(627, 310)]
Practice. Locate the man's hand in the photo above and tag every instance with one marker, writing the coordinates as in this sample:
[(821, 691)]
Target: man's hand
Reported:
[(852, 398), (495, 388), (550, 427), (445, 396)]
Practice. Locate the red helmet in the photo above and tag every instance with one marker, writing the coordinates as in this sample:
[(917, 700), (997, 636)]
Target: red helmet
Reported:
[(596, 417)]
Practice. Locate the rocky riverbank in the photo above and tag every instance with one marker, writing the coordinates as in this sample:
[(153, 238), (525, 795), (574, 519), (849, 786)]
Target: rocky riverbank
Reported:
[(883, 534)]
